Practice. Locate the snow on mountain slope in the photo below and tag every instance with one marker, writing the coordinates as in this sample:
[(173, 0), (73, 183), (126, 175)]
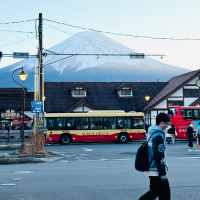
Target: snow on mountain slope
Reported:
[(89, 68), (94, 43)]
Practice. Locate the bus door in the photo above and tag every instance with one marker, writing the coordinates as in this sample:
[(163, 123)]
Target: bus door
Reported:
[(174, 115), (185, 117)]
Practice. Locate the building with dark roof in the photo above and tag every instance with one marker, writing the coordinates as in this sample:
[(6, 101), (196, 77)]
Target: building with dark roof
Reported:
[(66, 97), (182, 90)]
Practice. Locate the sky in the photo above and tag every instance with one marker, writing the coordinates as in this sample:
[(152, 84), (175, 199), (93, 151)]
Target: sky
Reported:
[(177, 19)]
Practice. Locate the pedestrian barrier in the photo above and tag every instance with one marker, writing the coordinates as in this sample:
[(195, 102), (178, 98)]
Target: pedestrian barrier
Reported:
[(9, 138)]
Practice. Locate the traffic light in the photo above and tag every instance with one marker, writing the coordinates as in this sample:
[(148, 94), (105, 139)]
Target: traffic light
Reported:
[(1, 54)]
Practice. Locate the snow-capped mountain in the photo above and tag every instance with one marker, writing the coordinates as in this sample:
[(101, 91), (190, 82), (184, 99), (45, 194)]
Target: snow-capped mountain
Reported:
[(91, 67)]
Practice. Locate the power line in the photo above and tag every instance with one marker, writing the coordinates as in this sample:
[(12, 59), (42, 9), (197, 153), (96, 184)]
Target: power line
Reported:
[(132, 55), (98, 42), (16, 31), (108, 44), (121, 34), (51, 51), (57, 60), (58, 29), (17, 42), (18, 21)]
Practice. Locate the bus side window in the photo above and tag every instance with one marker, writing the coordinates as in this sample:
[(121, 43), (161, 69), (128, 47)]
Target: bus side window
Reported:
[(123, 122), (189, 114), (82, 123), (141, 123), (127, 123), (96, 123), (45, 123), (196, 115), (109, 122), (138, 124), (51, 124), (182, 111), (68, 123), (60, 123), (120, 122)]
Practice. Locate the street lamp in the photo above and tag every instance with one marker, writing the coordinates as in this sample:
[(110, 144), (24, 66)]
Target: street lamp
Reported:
[(22, 76), (147, 97)]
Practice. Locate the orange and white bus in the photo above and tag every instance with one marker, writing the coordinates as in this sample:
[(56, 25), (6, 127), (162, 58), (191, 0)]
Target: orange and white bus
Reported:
[(94, 126)]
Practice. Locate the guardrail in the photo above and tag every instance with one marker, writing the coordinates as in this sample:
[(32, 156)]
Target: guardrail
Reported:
[(9, 138)]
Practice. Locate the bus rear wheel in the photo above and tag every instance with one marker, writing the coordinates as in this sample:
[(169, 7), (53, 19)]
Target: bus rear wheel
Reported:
[(123, 138), (65, 139)]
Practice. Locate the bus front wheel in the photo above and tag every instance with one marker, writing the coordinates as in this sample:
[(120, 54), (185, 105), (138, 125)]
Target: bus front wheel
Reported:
[(65, 139), (123, 138)]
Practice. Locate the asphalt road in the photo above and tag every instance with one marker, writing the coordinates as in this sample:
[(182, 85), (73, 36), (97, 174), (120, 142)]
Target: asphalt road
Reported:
[(98, 171)]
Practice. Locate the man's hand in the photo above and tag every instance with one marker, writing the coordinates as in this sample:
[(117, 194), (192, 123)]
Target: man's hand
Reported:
[(164, 177)]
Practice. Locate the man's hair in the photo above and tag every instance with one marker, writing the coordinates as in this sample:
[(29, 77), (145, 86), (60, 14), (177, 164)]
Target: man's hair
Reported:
[(162, 117)]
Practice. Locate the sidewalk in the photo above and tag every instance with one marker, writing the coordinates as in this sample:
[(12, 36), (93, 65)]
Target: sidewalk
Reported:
[(10, 155)]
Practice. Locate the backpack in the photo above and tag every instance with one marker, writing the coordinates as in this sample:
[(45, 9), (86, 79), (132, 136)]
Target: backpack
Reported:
[(142, 157)]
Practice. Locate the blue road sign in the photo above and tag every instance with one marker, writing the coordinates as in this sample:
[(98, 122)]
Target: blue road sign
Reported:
[(36, 107), (21, 55)]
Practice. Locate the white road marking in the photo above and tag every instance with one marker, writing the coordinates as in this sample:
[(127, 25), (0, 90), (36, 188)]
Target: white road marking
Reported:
[(17, 179), (88, 149), (51, 159), (24, 172), (8, 184)]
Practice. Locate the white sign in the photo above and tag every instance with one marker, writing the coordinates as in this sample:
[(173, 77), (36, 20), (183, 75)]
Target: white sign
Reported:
[(10, 115)]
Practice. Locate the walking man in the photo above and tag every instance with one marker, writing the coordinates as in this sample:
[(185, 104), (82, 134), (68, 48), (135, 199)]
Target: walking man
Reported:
[(189, 132), (159, 185), (172, 131)]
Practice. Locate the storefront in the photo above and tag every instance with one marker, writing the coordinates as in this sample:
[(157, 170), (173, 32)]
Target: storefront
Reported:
[(14, 119)]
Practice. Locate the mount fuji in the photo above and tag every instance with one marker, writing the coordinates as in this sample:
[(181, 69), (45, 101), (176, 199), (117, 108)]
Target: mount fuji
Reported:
[(59, 68)]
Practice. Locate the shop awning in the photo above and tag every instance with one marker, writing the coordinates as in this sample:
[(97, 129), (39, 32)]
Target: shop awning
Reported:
[(18, 121)]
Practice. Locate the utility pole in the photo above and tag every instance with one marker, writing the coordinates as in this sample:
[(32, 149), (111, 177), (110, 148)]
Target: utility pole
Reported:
[(41, 68), (39, 119)]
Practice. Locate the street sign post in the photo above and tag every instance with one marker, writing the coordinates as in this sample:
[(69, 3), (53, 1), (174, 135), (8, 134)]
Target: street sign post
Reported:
[(36, 107), (21, 55)]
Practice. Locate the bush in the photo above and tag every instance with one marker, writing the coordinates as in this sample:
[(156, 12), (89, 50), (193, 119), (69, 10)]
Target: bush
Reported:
[(35, 147)]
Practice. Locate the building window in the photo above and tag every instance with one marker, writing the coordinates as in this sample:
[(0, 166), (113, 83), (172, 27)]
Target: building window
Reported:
[(126, 92), (191, 93), (79, 92), (175, 103)]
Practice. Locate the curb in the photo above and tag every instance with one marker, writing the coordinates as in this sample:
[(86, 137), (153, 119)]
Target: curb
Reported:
[(12, 160), (27, 158)]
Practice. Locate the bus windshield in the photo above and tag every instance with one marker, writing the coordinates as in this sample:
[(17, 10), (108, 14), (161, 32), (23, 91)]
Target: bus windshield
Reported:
[(172, 111)]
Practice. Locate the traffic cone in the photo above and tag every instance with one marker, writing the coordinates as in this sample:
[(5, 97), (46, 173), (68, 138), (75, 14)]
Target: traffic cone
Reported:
[(197, 143)]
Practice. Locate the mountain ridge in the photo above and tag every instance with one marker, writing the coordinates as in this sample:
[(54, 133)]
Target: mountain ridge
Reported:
[(91, 68)]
